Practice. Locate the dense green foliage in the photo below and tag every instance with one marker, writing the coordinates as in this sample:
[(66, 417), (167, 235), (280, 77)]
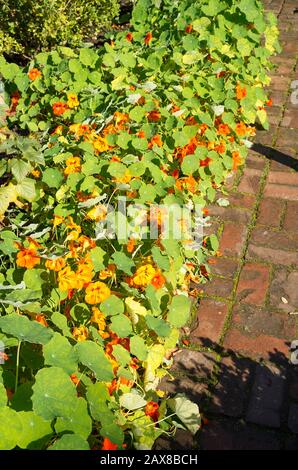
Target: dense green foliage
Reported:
[(28, 26)]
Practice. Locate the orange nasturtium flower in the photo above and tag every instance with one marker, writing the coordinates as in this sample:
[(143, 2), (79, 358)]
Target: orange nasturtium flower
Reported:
[(223, 129), (27, 258), (131, 245), (107, 273), (80, 333), (41, 319), (148, 38), (156, 140), (108, 445), (189, 28), (74, 378), (99, 318), (55, 264), (84, 273), (144, 275), (96, 293), (72, 100), (151, 409), (59, 108), (36, 173), (73, 165), (66, 279), (100, 144), (34, 73), (158, 280), (241, 129), (237, 160), (240, 92)]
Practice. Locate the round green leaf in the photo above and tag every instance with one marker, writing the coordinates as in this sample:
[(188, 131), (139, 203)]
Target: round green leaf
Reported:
[(24, 329), (54, 394), (59, 352), (112, 305), (10, 428)]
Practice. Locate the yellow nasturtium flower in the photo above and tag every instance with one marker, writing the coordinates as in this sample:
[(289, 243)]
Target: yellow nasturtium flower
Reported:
[(80, 333), (72, 100), (144, 275), (96, 293)]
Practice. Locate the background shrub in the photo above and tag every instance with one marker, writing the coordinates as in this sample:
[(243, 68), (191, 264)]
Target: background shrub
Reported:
[(28, 26)]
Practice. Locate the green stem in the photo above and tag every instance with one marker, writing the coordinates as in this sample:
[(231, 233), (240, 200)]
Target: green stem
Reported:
[(17, 366)]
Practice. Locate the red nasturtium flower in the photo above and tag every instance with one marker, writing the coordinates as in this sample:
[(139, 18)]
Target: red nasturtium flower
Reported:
[(158, 280), (153, 116), (108, 445), (15, 97), (189, 28), (34, 73), (269, 102), (148, 38), (206, 161), (75, 379), (59, 108), (129, 37), (151, 410), (141, 134)]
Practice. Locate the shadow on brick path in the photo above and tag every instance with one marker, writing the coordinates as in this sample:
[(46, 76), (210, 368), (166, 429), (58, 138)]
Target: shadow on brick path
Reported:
[(246, 404), (276, 155)]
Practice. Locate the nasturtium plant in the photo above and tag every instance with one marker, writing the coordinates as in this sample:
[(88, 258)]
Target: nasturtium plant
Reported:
[(110, 157)]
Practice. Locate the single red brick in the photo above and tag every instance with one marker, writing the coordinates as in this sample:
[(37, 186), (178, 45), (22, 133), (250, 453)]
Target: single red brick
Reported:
[(291, 218), (273, 256), (250, 181), (223, 267), (263, 346), (279, 83), (270, 212), (253, 283), (255, 321), (266, 138), (273, 239), (233, 239), (286, 137), (280, 177), (218, 287), (290, 118), (290, 193), (230, 213), (256, 161), (211, 316)]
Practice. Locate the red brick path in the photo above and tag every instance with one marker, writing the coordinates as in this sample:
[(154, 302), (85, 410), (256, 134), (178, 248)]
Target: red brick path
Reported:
[(237, 366)]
